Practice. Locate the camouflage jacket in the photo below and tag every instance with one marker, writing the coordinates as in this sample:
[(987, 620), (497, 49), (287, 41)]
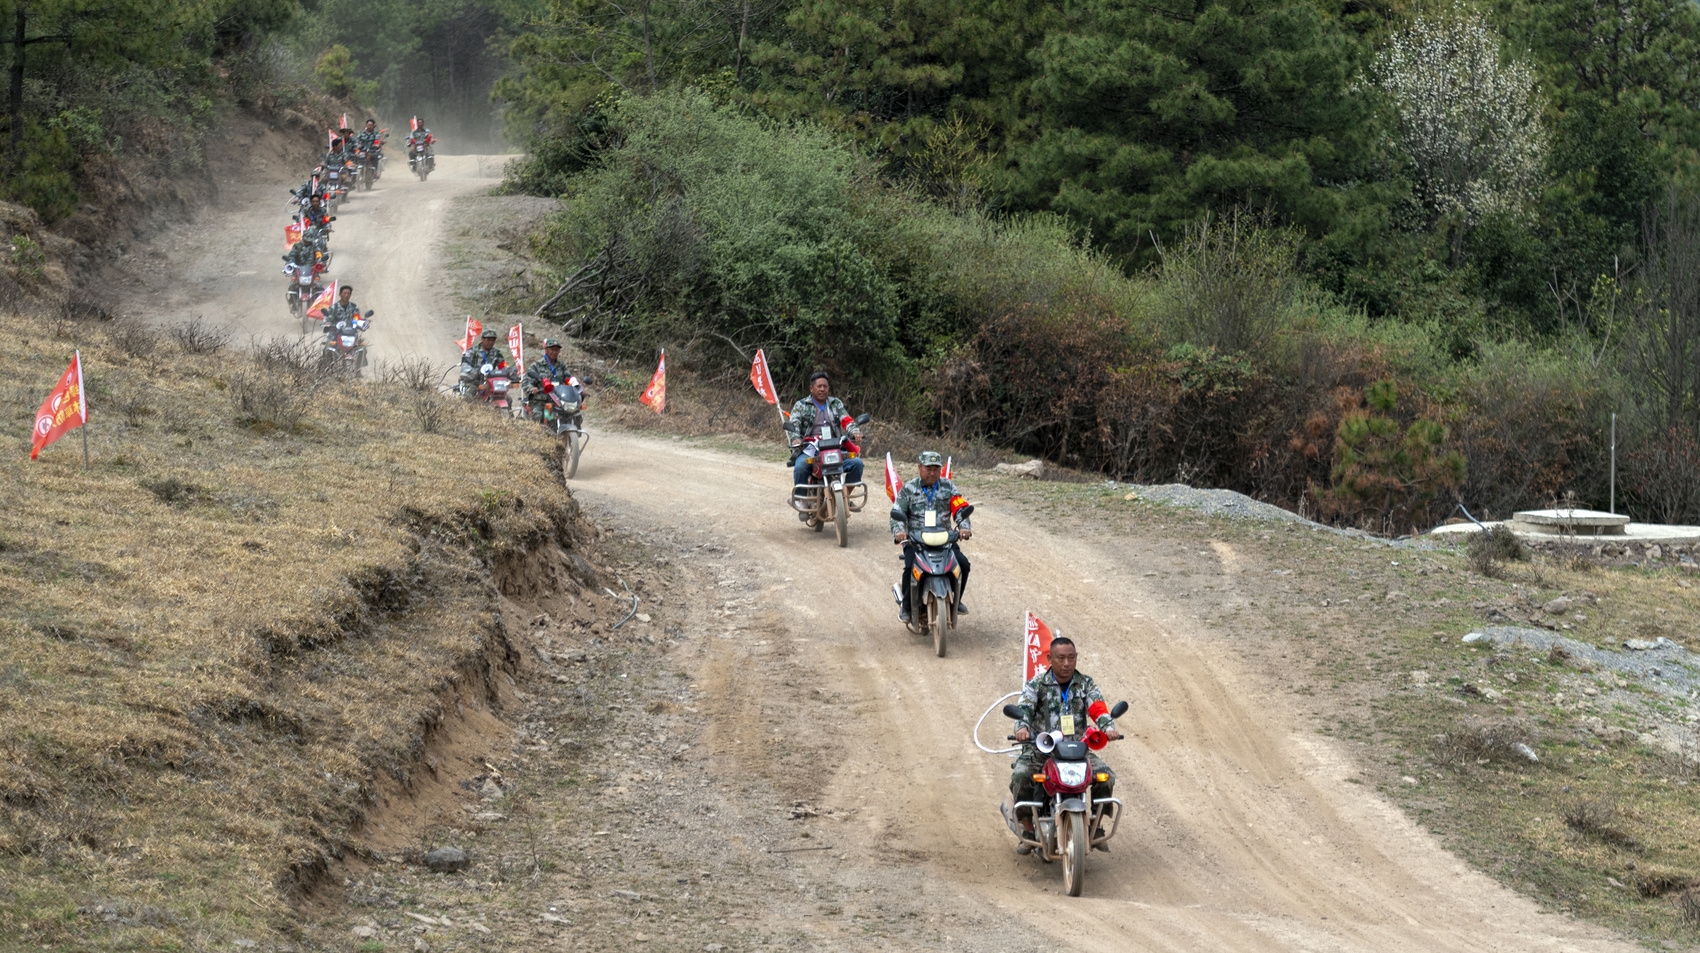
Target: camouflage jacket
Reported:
[(1042, 705), (478, 357), (340, 312), (909, 511), (542, 370), (367, 140), (301, 253), (804, 412)]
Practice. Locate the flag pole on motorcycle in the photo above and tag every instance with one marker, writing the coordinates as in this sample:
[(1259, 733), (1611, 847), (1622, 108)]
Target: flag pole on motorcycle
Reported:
[(762, 378), (655, 395), (474, 328), (66, 407), (325, 299), (516, 345)]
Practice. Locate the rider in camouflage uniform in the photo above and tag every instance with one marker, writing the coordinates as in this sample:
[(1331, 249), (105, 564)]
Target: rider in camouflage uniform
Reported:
[(368, 140), (344, 310), (546, 368), (929, 492), (1057, 692), (808, 414), (472, 362), (302, 253)]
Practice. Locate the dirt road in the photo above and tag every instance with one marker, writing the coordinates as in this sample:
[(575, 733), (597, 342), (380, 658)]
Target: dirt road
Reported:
[(1245, 832), (226, 264)]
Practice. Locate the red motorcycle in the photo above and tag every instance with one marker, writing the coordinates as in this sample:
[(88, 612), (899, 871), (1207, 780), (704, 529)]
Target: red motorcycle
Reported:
[(498, 380), (1069, 822), (827, 498)]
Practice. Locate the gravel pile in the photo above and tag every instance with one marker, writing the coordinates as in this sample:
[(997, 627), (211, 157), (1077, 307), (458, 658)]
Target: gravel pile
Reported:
[(1662, 665)]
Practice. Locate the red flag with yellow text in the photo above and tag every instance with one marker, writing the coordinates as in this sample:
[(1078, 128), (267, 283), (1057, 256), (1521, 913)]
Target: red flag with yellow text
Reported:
[(474, 329), (326, 298), (65, 408), (292, 234), (1035, 657), (655, 395)]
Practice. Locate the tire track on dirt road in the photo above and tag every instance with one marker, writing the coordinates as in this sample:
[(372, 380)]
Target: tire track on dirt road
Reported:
[(1243, 832)]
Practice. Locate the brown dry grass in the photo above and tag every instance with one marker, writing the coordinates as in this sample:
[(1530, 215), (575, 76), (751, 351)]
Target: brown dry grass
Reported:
[(215, 639)]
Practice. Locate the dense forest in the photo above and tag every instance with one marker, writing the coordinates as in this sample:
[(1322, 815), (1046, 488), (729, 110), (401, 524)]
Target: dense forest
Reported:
[(1370, 259)]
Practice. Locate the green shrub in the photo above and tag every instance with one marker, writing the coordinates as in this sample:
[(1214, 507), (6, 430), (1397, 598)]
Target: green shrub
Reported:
[(1386, 472)]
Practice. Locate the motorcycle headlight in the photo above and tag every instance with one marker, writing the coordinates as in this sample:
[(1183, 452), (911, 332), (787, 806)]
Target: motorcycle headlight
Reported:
[(831, 456), (1071, 773)]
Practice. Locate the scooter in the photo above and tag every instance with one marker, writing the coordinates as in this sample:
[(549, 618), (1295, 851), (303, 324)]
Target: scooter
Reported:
[(1069, 822)]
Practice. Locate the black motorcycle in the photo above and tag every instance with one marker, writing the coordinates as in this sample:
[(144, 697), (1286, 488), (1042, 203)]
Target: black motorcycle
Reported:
[(935, 584)]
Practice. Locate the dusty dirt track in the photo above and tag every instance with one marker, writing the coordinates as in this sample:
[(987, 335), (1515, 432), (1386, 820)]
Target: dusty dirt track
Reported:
[(1244, 834)]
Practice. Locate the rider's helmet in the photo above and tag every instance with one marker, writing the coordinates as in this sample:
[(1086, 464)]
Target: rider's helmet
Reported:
[(930, 458)]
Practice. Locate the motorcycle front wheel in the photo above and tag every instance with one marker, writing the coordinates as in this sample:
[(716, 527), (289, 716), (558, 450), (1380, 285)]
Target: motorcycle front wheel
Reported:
[(934, 624), (841, 518), (569, 456), (1073, 826)]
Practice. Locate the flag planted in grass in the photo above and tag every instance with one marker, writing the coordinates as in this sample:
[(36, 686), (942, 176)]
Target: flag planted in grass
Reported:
[(65, 408)]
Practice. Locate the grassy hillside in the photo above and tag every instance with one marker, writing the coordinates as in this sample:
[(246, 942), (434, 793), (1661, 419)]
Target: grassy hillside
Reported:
[(222, 637)]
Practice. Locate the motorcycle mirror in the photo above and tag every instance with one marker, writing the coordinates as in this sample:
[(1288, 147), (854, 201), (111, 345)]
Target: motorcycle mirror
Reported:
[(1010, 711), (1119, 710), (333, 218), (966, 511), (864, 418), (370, 312)]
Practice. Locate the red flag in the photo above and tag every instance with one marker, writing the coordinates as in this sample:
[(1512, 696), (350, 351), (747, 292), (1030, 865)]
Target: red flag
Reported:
[(345, 124), (292, 234), (893, 482), (516, 344), (946, 473), (655, 395), (474, 329), (1036, 658), (762, 379), (413, 124), (65, 408), (326, 298)]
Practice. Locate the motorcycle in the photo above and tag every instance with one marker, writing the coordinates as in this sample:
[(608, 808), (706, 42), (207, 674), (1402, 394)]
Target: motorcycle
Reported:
[(303, 289), (419, 160), (1069, 822), (366, 168), (934, 583), (492, 385), (563, 416), (826, 498), (345, 345)]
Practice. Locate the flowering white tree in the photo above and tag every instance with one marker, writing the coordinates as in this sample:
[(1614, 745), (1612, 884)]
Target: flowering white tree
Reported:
[(1469, 118)]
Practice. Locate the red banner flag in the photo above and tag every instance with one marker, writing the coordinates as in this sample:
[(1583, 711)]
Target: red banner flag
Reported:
[(946, 473), (413, 124), (1036, 657), (65, 408), (516, 345), (345, 124), (326, 298), (893, 482), (474, 329), (655, 395), (292, 234), (762, 379)]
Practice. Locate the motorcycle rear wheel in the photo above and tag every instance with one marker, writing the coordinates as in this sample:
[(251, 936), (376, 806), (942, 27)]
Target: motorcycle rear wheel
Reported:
[(841, 517), (1074, 853)]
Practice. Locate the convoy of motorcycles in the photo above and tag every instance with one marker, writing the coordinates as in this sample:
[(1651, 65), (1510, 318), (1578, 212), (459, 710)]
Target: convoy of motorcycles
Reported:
[(1063, 826), (347, 167)]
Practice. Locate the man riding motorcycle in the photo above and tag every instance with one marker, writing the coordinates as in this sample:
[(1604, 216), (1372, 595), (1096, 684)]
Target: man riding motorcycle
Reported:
[(422, 135), (472, 362), (343, 310), (303, 253), (546, 368), (370, 142), (929, 492), (814, 411), (1059, 699)]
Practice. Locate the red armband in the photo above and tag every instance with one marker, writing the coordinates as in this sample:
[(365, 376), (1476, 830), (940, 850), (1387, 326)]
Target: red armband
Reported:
[(957, 503), (1097, 710)]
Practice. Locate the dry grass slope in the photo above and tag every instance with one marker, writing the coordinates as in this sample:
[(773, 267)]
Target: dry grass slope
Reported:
[(220, 638)]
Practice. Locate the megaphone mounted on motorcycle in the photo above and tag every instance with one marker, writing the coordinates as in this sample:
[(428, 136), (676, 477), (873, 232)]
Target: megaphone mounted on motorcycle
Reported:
[(1046, 742)]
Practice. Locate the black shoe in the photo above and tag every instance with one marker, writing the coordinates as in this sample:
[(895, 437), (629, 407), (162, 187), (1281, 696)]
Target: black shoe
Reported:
[(903, 616), (1024, 849), (961, 607)]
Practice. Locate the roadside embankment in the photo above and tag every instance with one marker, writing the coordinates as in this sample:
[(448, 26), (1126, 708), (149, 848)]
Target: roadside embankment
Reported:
[(238, 630)]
